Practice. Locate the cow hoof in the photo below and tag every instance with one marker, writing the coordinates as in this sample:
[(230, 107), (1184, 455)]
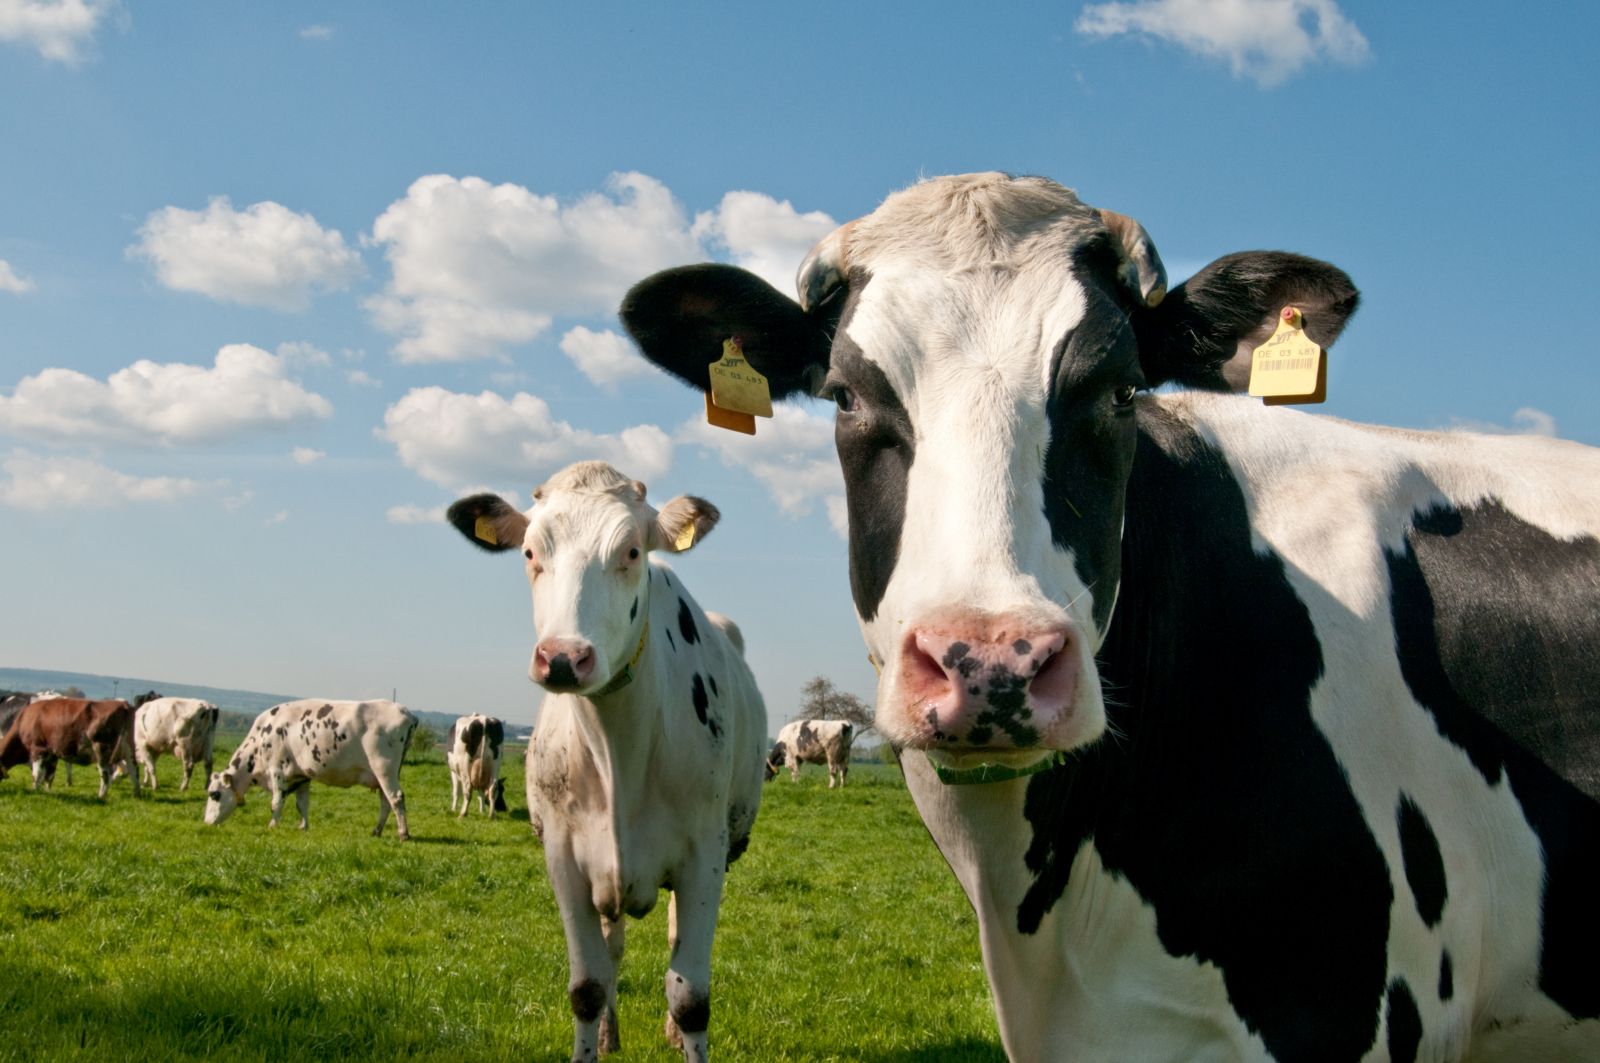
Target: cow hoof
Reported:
[(405, 837)]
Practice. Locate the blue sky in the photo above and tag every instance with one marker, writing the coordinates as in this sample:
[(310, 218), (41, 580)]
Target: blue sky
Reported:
[(279, 281)]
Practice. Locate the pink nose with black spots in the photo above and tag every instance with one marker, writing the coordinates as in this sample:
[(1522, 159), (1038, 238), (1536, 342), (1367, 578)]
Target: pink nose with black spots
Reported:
[(988, 685)]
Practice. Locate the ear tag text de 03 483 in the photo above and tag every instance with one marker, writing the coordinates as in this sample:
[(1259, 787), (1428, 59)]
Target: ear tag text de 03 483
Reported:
[(483, 529), (738, 392), (1289, 367), (685, 537)]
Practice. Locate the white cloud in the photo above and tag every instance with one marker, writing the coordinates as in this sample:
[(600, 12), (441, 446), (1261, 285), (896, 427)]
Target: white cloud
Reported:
[(319, 32), (362, 379), (838, 515), (234, 503), (298, 354), (59, 30), (766, 237), (10, 279), (792, 455), (30, 481), (246, 389), (415, 514), (454, 439), (307, 456), (606, 358), (1525, 421), (479, 266), (277, 518), (264, 255), (1266, 40)]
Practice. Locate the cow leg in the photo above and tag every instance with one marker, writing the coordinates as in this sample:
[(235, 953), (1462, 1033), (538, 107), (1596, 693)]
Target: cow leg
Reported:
[(146, 761), (52, 778), (696, 896), (188, 770), (615, 931), (278, 793), (794, 770), (39, 774), (106, 766), (592, 973), (302, 802), (391, 796), (455, 787), (383, 812)]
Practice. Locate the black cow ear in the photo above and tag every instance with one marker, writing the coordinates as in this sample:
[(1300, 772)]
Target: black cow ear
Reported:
[(680, 318), (489, 522), (1203, 333)]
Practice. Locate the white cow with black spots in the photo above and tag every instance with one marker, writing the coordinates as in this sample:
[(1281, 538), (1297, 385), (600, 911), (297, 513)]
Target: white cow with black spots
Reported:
[(813, 742), (185, 727), (646, 770), (340, 743), (472, 752)]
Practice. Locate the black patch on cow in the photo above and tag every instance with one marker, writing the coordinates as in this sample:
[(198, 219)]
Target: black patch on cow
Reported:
[(1419, 850), (588, 1000), (694, 1015), (737, 847), (671, 643), (324, 711), (274, 710), (1447, 977), (1092, 442), (1022, 647), (1405, 1024), (1219, 800), (713, 681), (494, 732), (698, 693), (472, 733), (633, 610), (691, 634), (877, 445), (1495, 627)]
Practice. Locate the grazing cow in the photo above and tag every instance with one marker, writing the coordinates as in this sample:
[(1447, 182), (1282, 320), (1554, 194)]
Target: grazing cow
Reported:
[(10, 705), (647, 770), (75, 730), (813, 742), (1338, 800), (185, 727), (340, 743), (473, 755)]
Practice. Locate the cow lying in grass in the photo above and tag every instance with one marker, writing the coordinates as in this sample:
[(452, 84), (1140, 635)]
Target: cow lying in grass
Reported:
[(340, 743), (647, 770)]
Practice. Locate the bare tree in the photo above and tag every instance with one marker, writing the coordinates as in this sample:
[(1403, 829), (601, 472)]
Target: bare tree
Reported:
[(821, 700)]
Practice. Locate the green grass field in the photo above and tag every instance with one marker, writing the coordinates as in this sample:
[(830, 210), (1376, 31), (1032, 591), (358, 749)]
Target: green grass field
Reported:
[(130, 930)]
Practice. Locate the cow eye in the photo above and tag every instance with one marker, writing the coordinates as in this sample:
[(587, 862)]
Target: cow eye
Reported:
[(1123, 396), (633, 554), (528, 554), (844, 398), (215, 795)]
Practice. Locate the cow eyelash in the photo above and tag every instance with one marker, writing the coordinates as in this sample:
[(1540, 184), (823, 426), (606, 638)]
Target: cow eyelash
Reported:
[(1123, 396)]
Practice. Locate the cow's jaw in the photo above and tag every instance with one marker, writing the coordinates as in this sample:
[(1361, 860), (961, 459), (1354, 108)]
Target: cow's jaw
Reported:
[(986, 628)]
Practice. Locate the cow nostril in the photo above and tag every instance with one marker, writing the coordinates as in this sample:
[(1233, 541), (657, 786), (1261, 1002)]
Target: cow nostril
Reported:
[(921, 667), (1056, 676)]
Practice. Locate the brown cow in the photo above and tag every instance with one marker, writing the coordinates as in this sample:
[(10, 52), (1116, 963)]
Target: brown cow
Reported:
[(75, 730)]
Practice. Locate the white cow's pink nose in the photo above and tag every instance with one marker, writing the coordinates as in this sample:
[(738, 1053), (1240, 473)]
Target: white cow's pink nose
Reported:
[(563, 664), (987, 685)]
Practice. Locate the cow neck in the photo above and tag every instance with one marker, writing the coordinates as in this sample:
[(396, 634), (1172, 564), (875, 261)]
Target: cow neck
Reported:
[(624, 675)]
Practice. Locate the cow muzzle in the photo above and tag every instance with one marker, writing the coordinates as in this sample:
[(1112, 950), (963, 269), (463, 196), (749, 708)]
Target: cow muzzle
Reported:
[(988, 685), (562, 665)]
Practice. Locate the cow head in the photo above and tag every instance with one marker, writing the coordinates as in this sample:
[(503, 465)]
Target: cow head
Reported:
[(224, 791), (775, 760), (985, 340), (584, 547)]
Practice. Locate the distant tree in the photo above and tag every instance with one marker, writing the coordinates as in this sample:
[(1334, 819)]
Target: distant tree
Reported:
[(423, 739), (821, 700)]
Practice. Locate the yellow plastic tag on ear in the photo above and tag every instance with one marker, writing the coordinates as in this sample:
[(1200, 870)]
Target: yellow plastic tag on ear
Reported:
[(735, 384), (685, 537), (483, 528), (1289, 367), (733, 422)]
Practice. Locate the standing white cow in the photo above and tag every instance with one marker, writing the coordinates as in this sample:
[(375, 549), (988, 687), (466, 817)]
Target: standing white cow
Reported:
[(813, 742), (647, 770), (472, 751), (185, 727), (340, 743)]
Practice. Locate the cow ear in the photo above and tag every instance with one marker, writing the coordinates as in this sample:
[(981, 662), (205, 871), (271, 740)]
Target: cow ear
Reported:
[(489, 522), (1204, 332), (681, 317), (681, 523)]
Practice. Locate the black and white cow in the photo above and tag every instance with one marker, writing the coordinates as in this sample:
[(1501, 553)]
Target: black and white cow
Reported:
[(645, 772), (472, 752), (1338, 799), (813, 742), (337, 743)]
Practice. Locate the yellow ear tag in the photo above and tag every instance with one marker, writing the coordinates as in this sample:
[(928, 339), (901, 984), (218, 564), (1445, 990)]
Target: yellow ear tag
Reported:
[(1289, 367), (733, 422), (483, 528), (735, 384), (685, 537)]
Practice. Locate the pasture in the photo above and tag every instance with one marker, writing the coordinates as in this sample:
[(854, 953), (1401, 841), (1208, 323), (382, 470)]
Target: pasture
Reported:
[(132, 931)]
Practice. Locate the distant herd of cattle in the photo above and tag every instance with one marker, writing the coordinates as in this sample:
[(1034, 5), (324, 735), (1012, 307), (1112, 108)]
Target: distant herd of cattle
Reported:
[(1248, 734)]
